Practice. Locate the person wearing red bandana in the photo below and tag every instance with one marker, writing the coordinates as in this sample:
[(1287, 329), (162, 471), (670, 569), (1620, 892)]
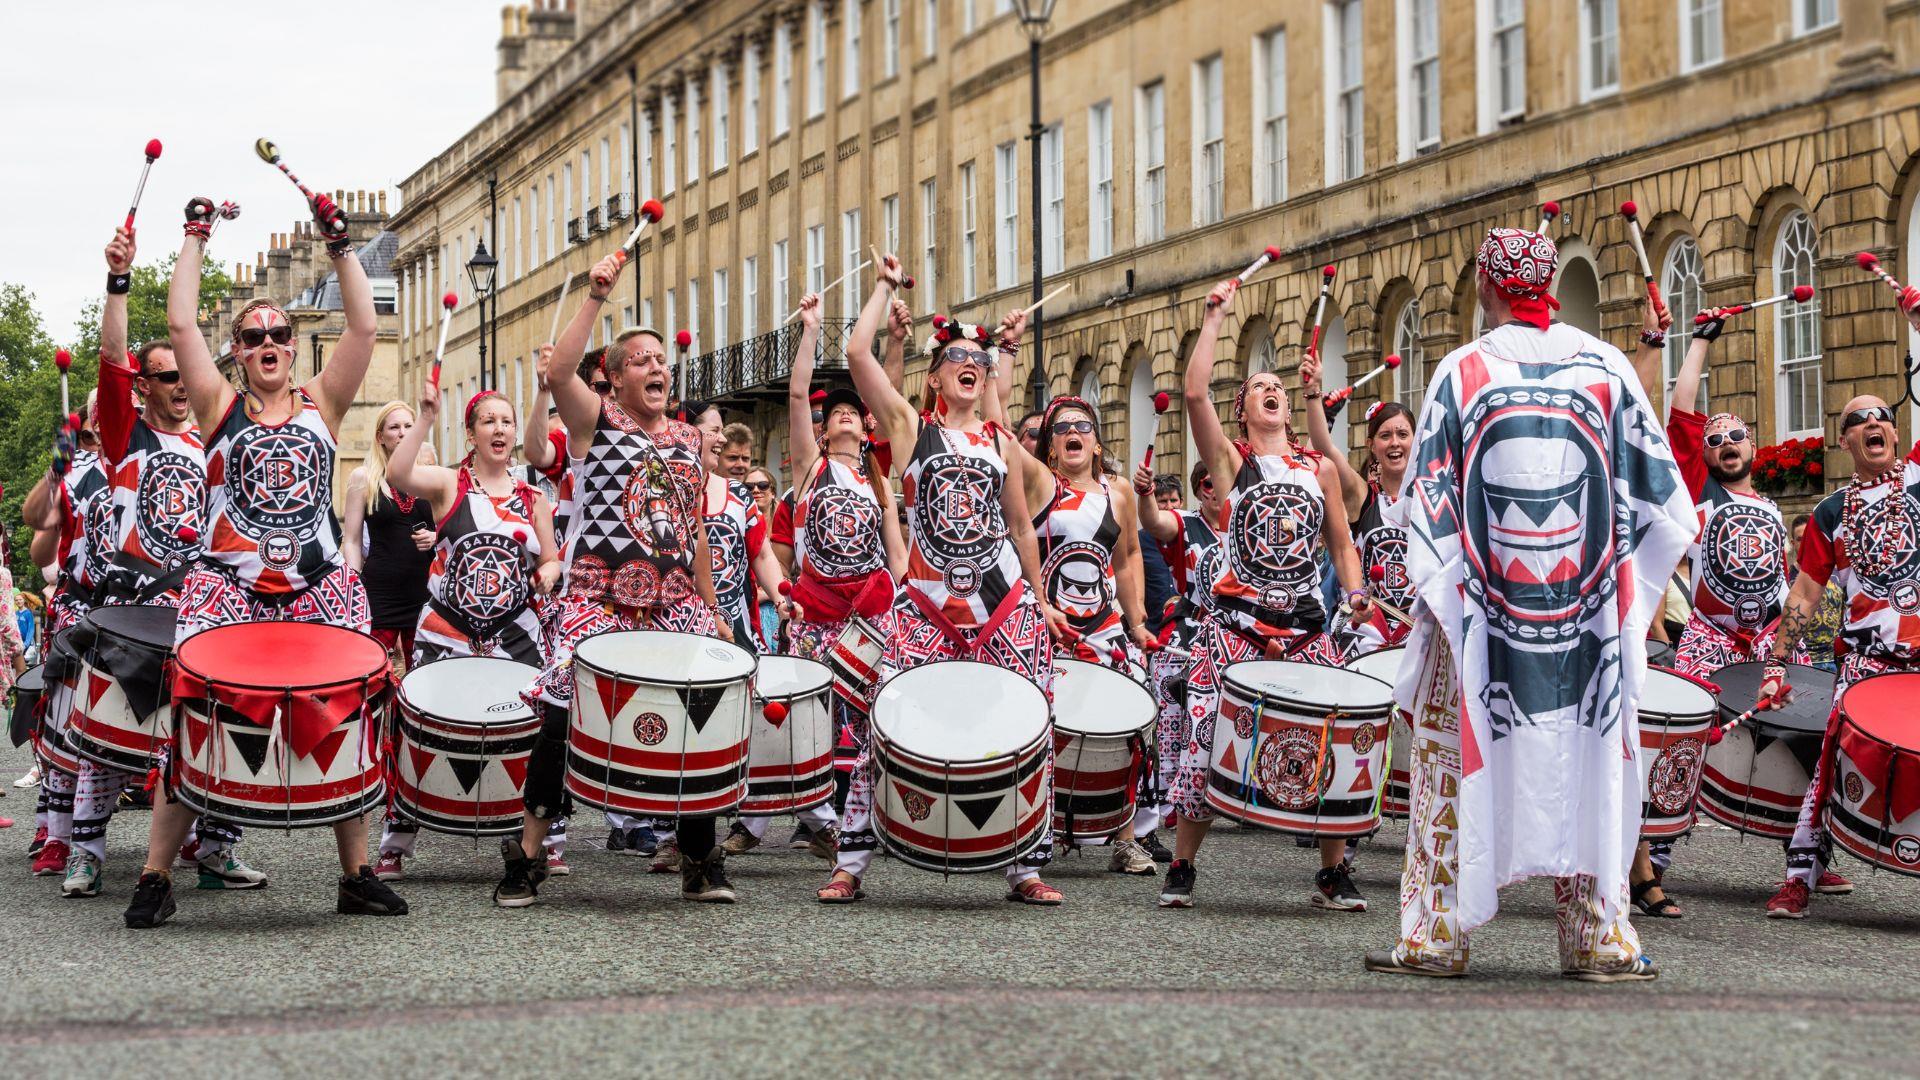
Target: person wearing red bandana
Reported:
[(272, 543), (1862, 537), (1280, 501), (972, 583)]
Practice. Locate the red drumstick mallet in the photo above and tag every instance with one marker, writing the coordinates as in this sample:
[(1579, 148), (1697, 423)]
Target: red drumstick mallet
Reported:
[(270, 154), (1871, 264), (1548, 212), (153, 153), (1632, 213), (1161, 403), (650, 214), (775, 712), (1334, 401), (449, 302), (63, 360), (1320, 306), (1800, 294), (1253, 268)]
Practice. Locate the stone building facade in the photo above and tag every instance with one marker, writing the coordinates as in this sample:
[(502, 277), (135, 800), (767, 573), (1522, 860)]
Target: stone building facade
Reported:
[(1766, 141)]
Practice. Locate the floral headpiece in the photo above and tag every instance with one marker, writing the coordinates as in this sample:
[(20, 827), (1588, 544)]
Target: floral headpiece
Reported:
[(947, 331)]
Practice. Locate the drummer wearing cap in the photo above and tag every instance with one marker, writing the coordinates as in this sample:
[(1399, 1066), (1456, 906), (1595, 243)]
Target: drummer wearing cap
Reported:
[(638, 560), (1863, 537), (971, 585)]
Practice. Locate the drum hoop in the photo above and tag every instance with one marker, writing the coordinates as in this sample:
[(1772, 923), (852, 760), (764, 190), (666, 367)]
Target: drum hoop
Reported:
[(825, 686), (382, 673), (1153, 709), (685, 684), (1846, 718), (873, 725), (101, 630), (406, 704), (897, 750), (407, 707), (1312, 708)]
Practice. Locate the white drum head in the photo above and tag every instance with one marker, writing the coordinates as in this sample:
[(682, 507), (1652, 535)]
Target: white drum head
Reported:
[(783, 678), (1311, 686), (1672, 695), (664, 658), (1089, 699), (1382, 664), (959, 710), (470, 689)]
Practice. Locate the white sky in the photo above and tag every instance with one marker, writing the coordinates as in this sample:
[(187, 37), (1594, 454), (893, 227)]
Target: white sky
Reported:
[(357, 93)]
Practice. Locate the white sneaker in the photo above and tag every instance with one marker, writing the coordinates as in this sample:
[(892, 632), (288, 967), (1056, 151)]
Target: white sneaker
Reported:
[(1130, 857), (220, 870), (83, 876), (31, 779)]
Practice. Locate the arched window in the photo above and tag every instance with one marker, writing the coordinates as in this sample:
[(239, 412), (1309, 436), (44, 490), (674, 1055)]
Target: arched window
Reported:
[(1410, 378), (1264, 355), (1333, 373), (1140, 415), (1680, 286), (1578, 289), (1797, 330), (1090, 383)]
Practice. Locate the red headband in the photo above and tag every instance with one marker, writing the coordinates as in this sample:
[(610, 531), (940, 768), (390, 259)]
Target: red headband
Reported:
[(474, 402)]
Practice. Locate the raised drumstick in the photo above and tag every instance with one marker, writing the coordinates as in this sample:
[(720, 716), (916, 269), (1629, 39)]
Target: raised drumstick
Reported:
[(63, 360), (153, 153), (270, 154), (650, 213), (1161, 403), (448, 302), (1548, 212), (1253, 268), (1632, 213), (1872, 265), (1799, 294), (1035, 306), (829, 287), (906, 280), (566, 282), (1332, 402), (1320, 305)]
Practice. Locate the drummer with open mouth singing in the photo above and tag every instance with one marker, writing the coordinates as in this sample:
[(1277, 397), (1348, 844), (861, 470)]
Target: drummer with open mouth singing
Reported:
[(637, 556)]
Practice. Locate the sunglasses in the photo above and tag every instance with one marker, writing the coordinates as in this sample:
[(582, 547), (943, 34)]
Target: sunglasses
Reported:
[(601, 386), (167, 377), (759, 485), (1868, 415), (1721, 438), (253, 337), (1030, 433), (1071, 427), (957, 355)]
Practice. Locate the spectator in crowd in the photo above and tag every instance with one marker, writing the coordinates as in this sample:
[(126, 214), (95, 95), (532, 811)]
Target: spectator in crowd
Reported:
[(388, 537), (1825, 624), (1029, 429), (759, 483), (737, 456)]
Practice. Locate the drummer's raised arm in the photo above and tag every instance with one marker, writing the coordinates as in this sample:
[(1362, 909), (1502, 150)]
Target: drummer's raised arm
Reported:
[(882, 396)]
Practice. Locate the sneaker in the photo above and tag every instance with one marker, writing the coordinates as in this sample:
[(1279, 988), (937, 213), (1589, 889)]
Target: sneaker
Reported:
[(705, 880), (189, 855), (1638, 969), (389, 867), (52, 859), (1386, 960), (617, 841), (739, 841), (1151, 842), (801, 840), (1790, 902), (83, 876), (39, 841), (1832, 884), (135, 798), (666, 857), (364, 894), (640, 841), (31, 778), (520, 886), (824, 843), (557, 863), (1178, 890), (1334, 890), (220, 870), (1130, 858), (152, 902)]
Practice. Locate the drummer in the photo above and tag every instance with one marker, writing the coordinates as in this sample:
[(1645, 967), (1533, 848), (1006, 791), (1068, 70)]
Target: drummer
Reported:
[(1089, 540), (1861, 537), (1191, 545), (155, 468), (637, 558), (272, 550), (972, 581), (1266, 594), (493, 552)]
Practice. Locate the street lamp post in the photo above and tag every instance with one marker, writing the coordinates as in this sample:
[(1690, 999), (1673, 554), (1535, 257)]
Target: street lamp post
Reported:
[(1036, 18), (480, 271)]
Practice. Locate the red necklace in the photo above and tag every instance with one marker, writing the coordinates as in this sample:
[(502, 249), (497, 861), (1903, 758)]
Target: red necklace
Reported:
[(1869, 557)]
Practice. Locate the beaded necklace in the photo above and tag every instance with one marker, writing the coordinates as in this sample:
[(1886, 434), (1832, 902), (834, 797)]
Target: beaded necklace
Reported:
[(1869, 558)]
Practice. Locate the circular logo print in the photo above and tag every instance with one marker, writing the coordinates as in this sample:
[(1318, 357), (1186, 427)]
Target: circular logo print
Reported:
[(727, 548), (1905, 597), (1907, 849), (485, 578), (1271, 536), (279, 549), (1363, 739), (647, 507), (1675, 777), (650, 729), (1285, 769), (172, 497), (918, 805), (1076, 575), (962, 579), (587, 575), (1386, 548), (842, 531), (636, 583), (1853, 788), (956, 515), (278, 479), (1745, 548)]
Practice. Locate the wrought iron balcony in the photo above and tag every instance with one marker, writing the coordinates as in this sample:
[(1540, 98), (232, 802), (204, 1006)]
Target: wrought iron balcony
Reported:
[(760, 366)]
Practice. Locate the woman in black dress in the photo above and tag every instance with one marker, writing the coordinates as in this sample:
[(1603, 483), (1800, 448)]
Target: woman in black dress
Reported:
[(397, 533)]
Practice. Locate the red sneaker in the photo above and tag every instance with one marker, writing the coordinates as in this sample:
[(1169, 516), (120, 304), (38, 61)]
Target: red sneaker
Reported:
[(389, 867), (1832, 884), (39, 841), (6, 823), (1790, 902), (557, 864), (52, 859), (189, 853)]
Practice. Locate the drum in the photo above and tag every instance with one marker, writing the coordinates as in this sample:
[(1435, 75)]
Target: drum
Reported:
[(1675, 715), (1300, 748), (1756, 776), (461, 741), (1873, 807), (659, 724), (117, 720), (56, 705), (855, 660), (1384, 664), (27, 690), (1101, 723), (1660, 654), (960, 766), (279, 723), (790, 762)]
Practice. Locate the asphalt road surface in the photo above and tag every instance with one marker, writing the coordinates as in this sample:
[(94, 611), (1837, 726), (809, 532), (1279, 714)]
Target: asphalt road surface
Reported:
[(612, 973)]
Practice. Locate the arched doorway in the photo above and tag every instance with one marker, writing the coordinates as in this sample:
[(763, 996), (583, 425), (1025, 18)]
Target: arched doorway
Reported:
[(1140, 415), (1579, 294), (1333, 371)]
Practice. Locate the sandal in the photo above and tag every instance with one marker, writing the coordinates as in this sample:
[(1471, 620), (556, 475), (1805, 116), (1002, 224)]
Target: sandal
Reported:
[(844, 888), (1663, 908), (1037, 892)]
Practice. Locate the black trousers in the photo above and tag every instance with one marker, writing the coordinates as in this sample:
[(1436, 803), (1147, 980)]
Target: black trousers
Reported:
[(546, 791)]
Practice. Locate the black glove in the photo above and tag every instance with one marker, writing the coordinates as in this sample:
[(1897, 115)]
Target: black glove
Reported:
[(1709, 328), (199, 216), (333, 224)]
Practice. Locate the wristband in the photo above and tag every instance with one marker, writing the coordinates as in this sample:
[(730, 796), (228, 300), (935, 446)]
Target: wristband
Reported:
[(340, 248), (1356, 594), (119, 284), (1655, 338), (1313, 396)]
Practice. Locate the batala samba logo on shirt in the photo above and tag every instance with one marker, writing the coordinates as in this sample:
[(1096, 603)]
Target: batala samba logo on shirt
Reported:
[(171, 496), (957, 517), (278, 488), (1271, 535), (1745, 552)]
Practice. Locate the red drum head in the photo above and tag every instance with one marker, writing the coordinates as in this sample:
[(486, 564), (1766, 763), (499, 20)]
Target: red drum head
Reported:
[(1883, 707), (282, 655)]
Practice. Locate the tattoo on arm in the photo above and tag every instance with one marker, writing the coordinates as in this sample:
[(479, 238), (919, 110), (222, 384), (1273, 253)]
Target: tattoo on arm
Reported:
[(1793, 625)]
